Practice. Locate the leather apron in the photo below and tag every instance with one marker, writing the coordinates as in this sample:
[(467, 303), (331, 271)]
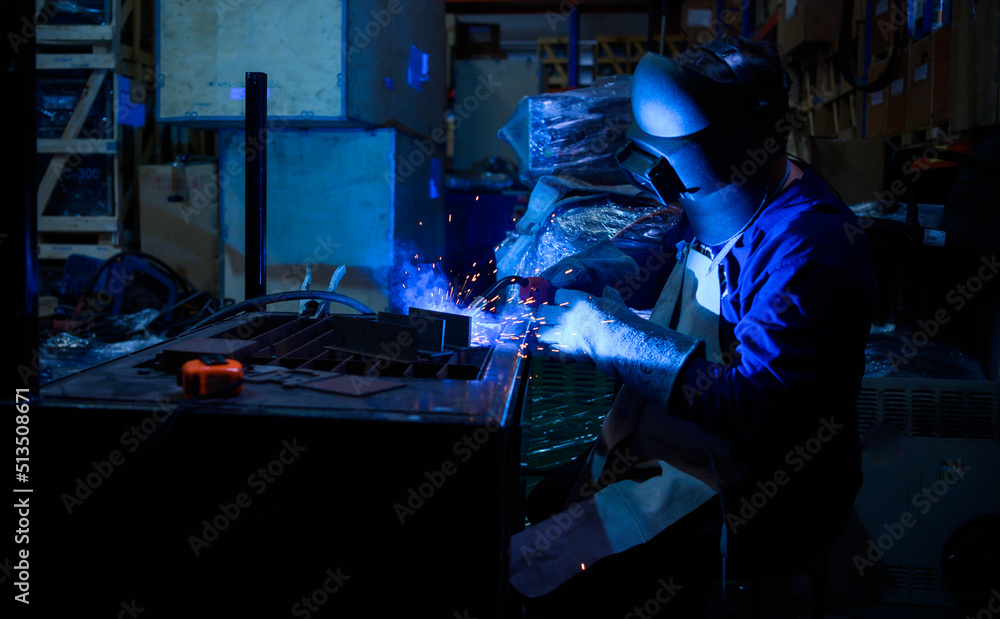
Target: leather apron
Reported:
[(693, 462)]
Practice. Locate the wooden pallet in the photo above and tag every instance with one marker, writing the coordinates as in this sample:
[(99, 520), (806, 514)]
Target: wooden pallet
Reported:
[(553, 53), (620, 55)]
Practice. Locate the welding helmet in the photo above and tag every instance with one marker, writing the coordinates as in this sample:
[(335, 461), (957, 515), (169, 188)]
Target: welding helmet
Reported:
[(693, 138)]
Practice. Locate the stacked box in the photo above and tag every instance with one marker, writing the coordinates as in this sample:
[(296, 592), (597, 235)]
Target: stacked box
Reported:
[(179, 219), (82, 190), (803, 22), (877, 104), (334, 197), (57, 94), (329, 62)]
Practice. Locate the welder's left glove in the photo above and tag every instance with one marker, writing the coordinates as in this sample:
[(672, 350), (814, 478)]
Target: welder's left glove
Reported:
[(596, 267), (637, 352)]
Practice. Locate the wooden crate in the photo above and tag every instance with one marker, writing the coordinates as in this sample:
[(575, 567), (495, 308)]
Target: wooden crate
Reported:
[(335, 196), (54, 246), (351, 63), (179, 219), (69, 153)]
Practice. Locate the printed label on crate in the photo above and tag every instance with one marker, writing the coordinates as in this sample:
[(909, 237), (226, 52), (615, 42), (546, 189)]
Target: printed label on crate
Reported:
[(934, 238), (920, 73), (790, 6), (878, 97), (700, 17), (241, 94), (897, 87)]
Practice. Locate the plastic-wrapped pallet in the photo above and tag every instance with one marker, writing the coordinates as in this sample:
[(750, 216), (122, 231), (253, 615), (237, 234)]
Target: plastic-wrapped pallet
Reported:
[(572, 133)]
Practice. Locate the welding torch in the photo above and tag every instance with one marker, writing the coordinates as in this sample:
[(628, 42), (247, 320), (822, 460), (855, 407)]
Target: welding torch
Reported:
[(535, 291)]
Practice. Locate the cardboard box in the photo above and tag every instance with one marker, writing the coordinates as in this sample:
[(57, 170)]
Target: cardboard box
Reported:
[(472, 40), (896, 95), (700, 20), (805, 22), (179, 219), (975, 61), (887, 17), (920, 80), (350, 63), (877, 104), (941, 99), (854, 168)]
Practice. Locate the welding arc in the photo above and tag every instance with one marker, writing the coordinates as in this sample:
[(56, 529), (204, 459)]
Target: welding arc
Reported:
[(292, 295)]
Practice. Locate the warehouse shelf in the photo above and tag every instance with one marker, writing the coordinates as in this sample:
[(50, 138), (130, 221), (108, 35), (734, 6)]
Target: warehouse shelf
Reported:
[(85, 150), (617, 55)]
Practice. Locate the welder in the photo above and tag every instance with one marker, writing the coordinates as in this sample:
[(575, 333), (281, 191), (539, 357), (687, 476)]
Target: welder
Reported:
[(732, 449)]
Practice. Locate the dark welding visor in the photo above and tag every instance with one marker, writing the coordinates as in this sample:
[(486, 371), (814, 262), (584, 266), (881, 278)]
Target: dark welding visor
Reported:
[(651, 173)]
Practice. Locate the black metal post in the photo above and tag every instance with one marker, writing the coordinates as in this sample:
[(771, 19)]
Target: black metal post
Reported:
[(19, 239), (256, 189)]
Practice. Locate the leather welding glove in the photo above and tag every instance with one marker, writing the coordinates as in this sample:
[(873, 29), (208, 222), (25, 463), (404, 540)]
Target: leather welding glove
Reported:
[(640, 353), (593, 269)]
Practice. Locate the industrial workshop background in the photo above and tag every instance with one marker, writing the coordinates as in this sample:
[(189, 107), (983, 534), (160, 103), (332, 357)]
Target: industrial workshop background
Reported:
[(416, 153)]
